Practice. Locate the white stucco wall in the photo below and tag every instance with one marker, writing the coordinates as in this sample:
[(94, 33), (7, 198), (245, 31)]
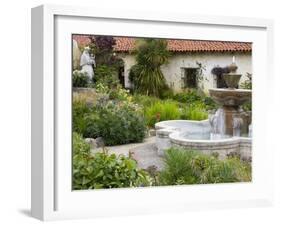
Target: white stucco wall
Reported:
[(129, 61), (173, 70)]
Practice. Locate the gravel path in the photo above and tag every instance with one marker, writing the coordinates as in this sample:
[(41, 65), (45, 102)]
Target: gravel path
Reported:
[(144, 153)]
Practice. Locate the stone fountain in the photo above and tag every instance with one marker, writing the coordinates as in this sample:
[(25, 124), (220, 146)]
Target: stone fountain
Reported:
[(225, 132), (235, 121)]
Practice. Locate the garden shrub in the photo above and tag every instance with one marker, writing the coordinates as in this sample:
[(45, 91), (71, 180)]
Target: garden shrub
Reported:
[(103, 170), (114, 93), (187, 97), (107, 75), (80, 147), (120, 94), (209, 103), (192, 167), (192, 96), (79, 111), (79, 79), (116, 123), (166, 93)]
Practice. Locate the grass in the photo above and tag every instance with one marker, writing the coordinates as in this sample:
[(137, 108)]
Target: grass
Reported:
[(192, 167), (161, 111)]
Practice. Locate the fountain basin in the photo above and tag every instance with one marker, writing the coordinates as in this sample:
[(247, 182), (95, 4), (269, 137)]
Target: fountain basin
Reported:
[(230, 97), (196, 135)]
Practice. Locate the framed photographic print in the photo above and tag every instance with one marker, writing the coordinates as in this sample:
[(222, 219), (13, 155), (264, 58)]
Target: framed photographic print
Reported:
[(136, 113)]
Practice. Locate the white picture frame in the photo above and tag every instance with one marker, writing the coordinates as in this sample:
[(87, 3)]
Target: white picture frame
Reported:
[(52, 197)]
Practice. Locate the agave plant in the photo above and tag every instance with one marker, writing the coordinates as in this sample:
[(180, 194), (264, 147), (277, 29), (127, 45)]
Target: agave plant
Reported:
[(147, 75)]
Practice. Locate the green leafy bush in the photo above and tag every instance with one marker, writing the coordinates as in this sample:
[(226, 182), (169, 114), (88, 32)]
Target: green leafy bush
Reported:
[(187, 97), (191, 167), (120, 94), (209, 103), (161, 111), (192, 96), (115, 93), (79, 146), (107, 75), (166, 93), (116, 123), (79, 111), (79, 79), (101, 170)]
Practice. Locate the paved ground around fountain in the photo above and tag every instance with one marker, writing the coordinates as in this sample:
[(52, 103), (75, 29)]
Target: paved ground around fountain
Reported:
[(144, 153)]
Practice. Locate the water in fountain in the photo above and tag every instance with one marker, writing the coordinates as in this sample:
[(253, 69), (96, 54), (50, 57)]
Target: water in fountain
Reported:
[(217, 122), (228, 120)]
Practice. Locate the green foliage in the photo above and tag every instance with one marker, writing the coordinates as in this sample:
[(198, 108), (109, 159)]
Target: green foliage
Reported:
[(156, 110), (195, 111), (117, 122), (101, 170), (161, 111), (79, 110), (106, 75), (247, 106), (187, 97), (80, 147), (117, 93), (191, 167), (146, 75), (191, 96), (166, 93), (79, 79), (145, 100), (120, 94), (209, 103)]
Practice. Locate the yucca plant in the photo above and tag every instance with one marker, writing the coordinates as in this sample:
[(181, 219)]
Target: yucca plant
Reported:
[(147, 76)]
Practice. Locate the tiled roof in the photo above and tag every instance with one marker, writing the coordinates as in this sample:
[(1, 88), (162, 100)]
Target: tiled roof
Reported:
[(128, 44), (124, 44)]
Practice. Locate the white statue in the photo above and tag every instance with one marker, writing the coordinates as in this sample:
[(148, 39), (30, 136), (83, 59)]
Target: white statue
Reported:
[(87, 62)]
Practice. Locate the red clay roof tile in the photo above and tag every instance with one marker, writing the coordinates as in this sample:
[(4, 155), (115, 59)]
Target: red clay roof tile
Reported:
[(126, 44)]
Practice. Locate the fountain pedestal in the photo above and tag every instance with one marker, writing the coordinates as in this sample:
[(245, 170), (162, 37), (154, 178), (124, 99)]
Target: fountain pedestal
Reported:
[(230, 114)]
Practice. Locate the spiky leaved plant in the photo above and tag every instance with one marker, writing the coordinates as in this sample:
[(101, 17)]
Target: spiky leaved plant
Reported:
[(150, 55)]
